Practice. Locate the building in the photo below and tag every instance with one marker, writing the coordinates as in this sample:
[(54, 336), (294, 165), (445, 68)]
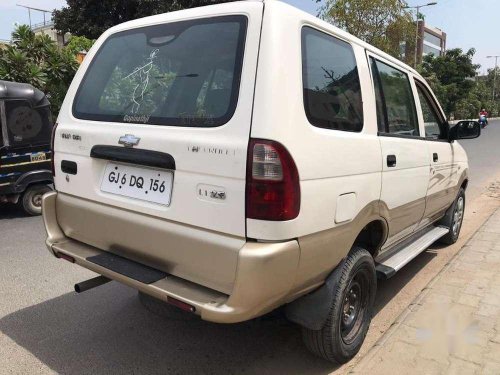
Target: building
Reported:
[(47, 28), (431, 40)]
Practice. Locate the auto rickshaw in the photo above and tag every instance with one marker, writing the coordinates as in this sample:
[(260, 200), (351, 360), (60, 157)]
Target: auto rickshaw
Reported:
[(25, 156)]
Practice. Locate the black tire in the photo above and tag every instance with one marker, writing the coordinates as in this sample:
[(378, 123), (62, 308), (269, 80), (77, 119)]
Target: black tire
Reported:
[(31, 200), (344, 331), (454, 213), (165, 310)]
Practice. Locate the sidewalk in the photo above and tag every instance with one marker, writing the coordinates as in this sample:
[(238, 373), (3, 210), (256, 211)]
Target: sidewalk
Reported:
[(453, 327)]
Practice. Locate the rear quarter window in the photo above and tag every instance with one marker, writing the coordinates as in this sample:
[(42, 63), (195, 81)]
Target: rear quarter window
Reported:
[(332, 90), (179, 74)]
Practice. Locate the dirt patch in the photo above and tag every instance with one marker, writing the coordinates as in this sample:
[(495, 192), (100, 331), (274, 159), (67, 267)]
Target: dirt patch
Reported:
[(493, 190)]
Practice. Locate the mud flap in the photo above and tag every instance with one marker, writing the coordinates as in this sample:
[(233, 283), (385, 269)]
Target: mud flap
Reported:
[(311, 311)]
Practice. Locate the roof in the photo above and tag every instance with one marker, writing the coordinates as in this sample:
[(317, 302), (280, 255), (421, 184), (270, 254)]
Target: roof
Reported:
[(283, 9), (15, 90)]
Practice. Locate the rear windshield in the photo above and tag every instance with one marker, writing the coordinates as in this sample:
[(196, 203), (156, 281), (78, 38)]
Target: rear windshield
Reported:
[(178, 74)]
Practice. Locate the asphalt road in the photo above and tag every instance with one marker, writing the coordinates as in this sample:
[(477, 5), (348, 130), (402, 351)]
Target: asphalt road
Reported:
[(46, 328), (484, 158)]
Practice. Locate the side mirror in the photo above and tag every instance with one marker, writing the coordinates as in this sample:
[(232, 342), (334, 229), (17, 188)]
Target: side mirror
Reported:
[(465, 130)]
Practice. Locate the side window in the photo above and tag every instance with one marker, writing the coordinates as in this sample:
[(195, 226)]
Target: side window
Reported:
[(432, 120), (332, 91), (395, 100), (379, 98)]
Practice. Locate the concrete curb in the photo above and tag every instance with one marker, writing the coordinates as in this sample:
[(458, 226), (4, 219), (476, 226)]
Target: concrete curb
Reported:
[(359, 367)]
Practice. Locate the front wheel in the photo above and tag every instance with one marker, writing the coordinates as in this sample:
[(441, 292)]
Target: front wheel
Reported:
[(351, 311), (453, 219), (31, 200)]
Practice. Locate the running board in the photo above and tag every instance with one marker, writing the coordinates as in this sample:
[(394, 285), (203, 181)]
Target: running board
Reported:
[(391, 262)]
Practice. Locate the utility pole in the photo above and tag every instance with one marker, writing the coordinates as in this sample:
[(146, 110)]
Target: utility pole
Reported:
[(417, 7), (494, 73)]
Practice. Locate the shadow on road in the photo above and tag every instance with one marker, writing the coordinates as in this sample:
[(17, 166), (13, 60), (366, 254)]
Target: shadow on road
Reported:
[(107, 330), (387, 289), (11, 211)]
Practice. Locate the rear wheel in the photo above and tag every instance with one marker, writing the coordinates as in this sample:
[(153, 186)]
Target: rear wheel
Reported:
[(31, 200), (453, 219), (351, 311)]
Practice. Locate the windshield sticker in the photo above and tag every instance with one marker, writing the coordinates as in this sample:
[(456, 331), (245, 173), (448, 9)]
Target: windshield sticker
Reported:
[(142, 73)]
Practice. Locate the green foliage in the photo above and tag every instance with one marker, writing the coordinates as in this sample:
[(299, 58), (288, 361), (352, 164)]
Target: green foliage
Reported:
[(79, 43), (382, 23), (36, 59), (453, 80), (90, 18), (493, 104)]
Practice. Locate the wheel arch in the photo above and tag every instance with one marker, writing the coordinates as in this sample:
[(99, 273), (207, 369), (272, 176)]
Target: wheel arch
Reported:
[(372, 236), (311, 310), (33, 178), (465, 183)]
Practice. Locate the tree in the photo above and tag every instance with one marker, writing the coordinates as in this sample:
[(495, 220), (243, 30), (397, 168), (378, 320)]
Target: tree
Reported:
[(90, 18), (452, 78), (381, 23), (78, 44), (489, 81), (36, 59)]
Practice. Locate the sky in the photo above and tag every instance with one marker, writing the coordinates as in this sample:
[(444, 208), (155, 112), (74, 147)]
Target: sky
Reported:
[(468, 23)]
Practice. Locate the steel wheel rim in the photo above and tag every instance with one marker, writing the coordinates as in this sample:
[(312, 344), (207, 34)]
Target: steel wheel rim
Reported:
[(354, 306), (458, 215), (36, 200)]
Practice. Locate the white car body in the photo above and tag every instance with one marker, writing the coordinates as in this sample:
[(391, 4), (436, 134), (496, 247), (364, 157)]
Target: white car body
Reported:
[(227, 266)]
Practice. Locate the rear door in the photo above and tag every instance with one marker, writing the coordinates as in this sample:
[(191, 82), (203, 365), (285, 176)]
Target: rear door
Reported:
[(405, 173), (177, 87)]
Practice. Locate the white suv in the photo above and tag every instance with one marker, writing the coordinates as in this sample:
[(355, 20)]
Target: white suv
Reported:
[(235, 158)]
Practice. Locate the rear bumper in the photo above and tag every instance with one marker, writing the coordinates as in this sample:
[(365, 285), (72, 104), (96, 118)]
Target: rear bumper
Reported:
[(264, 278)]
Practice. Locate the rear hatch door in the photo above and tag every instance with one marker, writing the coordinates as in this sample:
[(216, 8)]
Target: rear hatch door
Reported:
[(158, 118)]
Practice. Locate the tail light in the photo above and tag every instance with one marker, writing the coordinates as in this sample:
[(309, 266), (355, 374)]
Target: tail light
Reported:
[(52, 153), (273, 189)]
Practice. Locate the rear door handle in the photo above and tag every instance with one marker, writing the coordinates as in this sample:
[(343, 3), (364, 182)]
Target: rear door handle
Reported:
[(435, 157), (391, 161)]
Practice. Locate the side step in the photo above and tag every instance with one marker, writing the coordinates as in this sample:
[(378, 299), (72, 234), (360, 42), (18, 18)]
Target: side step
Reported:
[(393, 260)]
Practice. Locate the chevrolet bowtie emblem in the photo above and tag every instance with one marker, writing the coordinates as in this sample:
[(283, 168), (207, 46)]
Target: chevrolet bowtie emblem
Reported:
[(129, 140)]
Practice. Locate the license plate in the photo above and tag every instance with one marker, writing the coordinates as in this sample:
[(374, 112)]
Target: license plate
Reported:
[(38, 157), (146, 184)]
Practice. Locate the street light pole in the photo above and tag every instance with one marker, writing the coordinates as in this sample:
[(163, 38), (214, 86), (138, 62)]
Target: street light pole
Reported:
[(416, 35), (494, 73), (417, 7)]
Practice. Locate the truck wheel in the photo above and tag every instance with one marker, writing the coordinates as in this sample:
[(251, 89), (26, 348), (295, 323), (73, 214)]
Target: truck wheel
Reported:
[(350, 314), (165, 310), (453, 219), (31, 200)]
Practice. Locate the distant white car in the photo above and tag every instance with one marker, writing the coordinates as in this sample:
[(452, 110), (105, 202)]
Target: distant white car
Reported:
[(235, 158)]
